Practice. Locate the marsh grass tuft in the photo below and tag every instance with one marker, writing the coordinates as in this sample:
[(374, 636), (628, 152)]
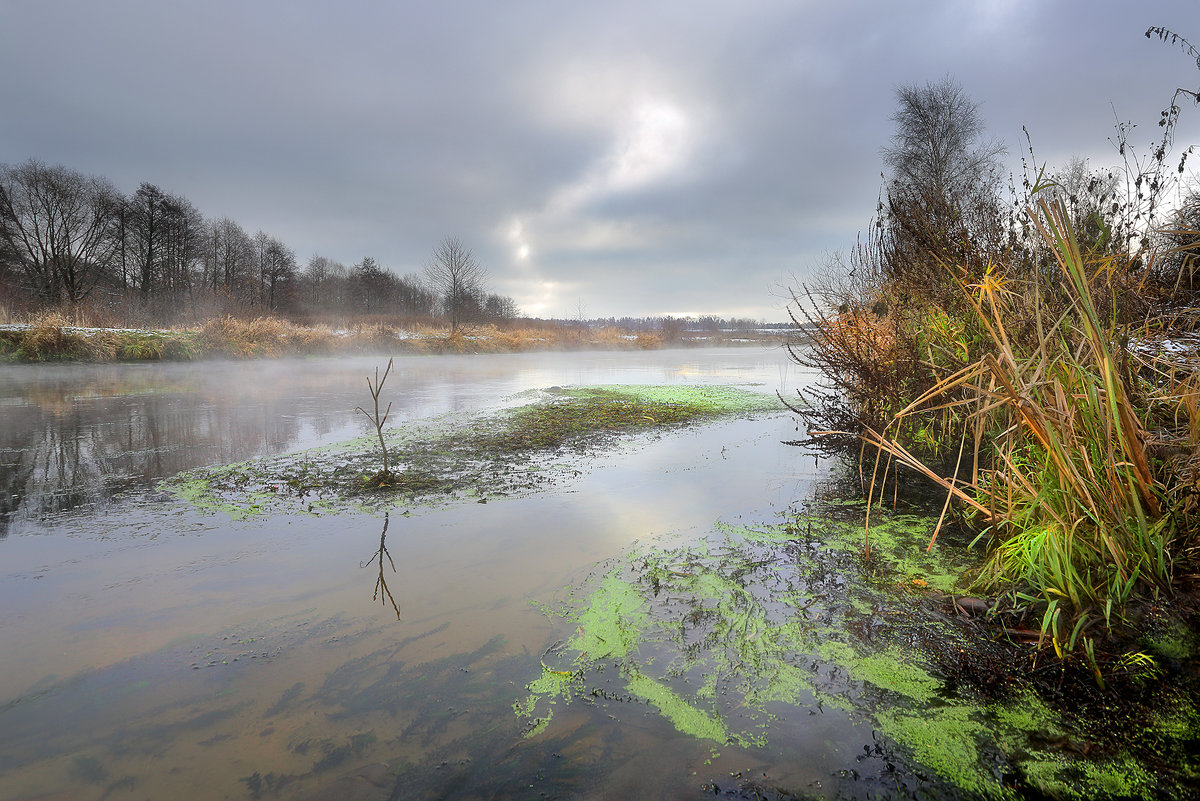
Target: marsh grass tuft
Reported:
[(566, 420)]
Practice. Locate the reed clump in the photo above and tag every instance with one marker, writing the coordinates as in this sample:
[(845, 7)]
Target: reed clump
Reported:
[(1074, 455)]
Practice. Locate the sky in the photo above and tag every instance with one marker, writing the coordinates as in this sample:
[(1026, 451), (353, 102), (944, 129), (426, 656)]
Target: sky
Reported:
[(599, 158)]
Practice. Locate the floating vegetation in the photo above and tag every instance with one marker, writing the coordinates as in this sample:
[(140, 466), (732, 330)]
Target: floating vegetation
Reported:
[(725, 637), (449, 458)]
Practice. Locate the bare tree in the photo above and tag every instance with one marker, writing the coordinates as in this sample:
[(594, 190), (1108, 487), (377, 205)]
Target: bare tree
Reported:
[(279, 274), (148, 215), (230, 259), (323, 282), (942, 203), (184, 245), (457, 279), (57, 227), (500, 308), (938, 148)]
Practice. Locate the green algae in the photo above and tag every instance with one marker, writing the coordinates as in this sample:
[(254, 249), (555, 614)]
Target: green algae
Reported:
[(685, 717), (945, 741), (1060, 777), (203, 493), (716, 636), (1174, 641), (893, 670), (610, 627), (452, 458), (1025, 715)]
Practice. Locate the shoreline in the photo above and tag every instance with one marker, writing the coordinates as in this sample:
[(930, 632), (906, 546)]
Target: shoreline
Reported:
[(55, 340)]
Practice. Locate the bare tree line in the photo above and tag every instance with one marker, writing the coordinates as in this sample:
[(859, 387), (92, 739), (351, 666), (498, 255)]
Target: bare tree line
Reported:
[(72, 241)]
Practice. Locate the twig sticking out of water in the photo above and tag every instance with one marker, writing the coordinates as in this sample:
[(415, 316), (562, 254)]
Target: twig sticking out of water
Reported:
[(383, 477)]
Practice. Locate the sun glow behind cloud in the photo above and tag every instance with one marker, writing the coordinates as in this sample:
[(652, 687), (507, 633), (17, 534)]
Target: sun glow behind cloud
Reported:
[(651, 141)]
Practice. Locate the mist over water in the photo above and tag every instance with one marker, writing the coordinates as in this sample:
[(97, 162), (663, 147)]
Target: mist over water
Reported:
[(73, 437)]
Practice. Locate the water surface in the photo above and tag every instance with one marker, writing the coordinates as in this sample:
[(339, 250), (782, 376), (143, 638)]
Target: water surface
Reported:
[(154, 651)]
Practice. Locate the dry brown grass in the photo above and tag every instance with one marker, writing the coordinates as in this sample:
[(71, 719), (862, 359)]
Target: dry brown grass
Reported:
[(46, 339), (50, 338)]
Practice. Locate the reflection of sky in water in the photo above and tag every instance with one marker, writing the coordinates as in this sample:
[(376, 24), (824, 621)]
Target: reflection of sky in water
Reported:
[(188, 653)]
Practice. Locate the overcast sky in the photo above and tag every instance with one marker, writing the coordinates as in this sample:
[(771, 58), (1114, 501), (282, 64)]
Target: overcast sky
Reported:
[(615, 158)]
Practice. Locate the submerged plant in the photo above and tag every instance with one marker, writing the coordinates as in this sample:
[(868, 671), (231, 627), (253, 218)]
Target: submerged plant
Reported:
[(384, 477)]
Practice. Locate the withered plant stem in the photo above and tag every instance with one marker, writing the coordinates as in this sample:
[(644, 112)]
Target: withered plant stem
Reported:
[(378, 420)]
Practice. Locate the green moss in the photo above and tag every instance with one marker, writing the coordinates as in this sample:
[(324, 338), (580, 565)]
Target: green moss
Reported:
[(1121, 778), (1180, 721), (1024, 716), (944, 739), (1175, 641), (1050, 775)]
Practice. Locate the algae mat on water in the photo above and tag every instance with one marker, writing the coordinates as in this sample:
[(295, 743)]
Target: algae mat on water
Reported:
[(739, 639), (542, 441)]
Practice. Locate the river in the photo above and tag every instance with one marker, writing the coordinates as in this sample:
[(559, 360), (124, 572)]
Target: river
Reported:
[(151, 650)]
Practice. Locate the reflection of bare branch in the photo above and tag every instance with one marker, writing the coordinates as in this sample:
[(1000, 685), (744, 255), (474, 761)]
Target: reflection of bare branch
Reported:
[(381, 582)]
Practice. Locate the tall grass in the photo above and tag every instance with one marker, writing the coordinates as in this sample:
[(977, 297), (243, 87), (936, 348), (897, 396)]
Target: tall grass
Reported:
[(1056, 428)]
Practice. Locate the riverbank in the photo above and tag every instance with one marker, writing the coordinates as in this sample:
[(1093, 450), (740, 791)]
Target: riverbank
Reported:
[(54, 338)]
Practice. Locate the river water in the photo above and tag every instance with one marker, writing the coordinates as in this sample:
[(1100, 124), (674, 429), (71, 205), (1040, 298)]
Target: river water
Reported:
[(152, 650)]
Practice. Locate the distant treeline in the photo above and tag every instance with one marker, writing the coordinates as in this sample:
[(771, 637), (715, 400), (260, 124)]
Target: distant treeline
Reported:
[(69, 240), (668, 325)]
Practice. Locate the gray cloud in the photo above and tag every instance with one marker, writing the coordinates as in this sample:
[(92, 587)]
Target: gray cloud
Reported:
[(676, 157)]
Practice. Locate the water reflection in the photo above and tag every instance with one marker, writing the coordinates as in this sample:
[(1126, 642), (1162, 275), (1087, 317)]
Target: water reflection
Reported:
[(382, 593), (74, 438)]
